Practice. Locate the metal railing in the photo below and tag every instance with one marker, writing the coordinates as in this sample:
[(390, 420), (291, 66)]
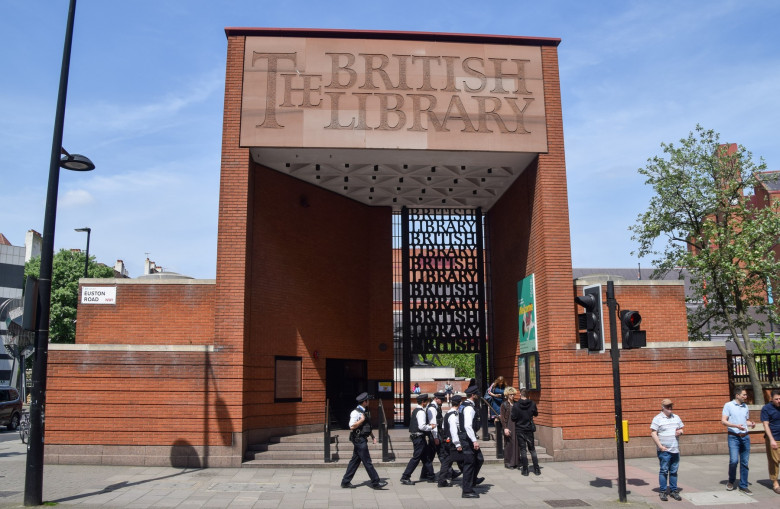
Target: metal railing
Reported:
[(767, 366), (384, 436), (326, 438)]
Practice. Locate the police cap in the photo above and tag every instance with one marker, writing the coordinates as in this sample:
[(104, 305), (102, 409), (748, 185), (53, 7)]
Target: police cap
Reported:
[(472, 390), (456, 399), (422, 397), (362, 397), (440, 395)]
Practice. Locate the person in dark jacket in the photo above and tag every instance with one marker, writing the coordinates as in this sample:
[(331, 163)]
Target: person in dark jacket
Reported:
[(523, 413), (510, 442)]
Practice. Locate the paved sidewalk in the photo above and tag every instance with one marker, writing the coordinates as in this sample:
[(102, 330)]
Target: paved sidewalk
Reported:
[(565, 484)]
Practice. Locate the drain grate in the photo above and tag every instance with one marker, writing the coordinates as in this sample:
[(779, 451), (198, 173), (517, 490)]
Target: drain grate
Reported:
[(571, 502)]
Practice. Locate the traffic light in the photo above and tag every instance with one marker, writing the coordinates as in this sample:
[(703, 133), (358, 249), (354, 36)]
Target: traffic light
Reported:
[(633, 337), (590, 320)]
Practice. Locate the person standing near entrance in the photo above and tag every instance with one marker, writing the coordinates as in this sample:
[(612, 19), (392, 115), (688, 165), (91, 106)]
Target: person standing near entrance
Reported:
[(664, 430), (511, 452), (736, 417), (468, 426), (420, 428), (770, 416), (523, 413), (360, 430)]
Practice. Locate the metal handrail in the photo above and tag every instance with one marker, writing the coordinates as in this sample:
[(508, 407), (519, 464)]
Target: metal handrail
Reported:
[(485, 417), (326, 438), (384, 437)]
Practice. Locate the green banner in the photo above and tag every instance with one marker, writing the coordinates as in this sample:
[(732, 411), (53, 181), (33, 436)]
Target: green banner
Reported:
[(526, 312)]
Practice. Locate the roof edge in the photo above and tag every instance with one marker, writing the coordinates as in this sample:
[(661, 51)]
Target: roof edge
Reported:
[(392, 35)]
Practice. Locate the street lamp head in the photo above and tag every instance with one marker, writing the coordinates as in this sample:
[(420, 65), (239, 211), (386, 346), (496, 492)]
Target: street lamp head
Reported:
[(85, 229), (76, 162)]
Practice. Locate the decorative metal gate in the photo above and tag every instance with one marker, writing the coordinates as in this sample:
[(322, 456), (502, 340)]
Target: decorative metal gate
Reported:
[(443, 287)]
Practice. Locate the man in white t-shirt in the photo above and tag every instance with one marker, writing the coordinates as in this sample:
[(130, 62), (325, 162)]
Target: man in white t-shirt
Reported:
[(664, 430)]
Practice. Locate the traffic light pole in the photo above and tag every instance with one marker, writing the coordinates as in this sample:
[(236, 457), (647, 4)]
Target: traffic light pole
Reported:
[(612, 307)]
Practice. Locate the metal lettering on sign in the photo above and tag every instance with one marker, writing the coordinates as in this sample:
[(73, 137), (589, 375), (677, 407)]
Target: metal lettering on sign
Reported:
[(444, 292)]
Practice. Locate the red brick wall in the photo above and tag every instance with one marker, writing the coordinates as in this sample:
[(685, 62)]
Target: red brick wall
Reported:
[(170, 313), (321, 281), (141, 394), (529, 234)]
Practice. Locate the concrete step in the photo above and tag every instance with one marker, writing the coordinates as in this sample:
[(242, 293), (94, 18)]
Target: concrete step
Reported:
[(306, 450)]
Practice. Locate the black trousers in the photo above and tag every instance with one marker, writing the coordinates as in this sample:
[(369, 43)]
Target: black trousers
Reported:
[(525, 439), (472, 463), (421, 453), (449, 455), (360, 454)]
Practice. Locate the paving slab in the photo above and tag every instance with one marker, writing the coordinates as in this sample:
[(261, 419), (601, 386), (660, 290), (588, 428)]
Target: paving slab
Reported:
[(562, 484)]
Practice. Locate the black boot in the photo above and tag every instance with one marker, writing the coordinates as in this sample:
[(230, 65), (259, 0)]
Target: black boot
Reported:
[(525, 471), (537, 471)]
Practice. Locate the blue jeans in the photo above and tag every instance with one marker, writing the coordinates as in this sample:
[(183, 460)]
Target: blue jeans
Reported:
[(669, 461), (739, 452)]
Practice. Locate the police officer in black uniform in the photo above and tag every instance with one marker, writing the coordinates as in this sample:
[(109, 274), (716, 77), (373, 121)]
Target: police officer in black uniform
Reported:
[(467, 433), (450, 443), (360, 430), (419, 429)]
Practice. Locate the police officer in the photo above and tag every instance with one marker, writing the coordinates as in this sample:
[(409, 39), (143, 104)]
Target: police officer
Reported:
[(450, 443), (467, 433), (419, 428), (435, 417), (360, 430)]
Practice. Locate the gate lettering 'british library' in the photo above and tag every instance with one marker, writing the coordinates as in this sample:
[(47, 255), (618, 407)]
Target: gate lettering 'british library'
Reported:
[(380, 192)]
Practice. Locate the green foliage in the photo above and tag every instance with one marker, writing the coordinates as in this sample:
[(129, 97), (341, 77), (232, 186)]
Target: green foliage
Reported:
[(67, 268), (702, 219), (463, 363), (767, 344)]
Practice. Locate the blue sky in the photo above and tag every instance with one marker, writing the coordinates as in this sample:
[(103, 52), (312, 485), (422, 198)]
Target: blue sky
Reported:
[(146, 92)]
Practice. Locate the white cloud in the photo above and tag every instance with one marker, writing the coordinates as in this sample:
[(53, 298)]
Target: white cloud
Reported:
[(75, 198)]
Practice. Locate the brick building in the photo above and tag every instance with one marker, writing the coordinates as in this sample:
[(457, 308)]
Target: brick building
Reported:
[(326, 136)]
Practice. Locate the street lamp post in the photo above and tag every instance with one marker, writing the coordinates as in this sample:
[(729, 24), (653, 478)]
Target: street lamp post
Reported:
[(33, 483), (86, 262)]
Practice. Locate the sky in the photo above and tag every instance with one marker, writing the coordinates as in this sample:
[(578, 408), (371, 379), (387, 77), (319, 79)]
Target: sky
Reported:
[(146, 93)]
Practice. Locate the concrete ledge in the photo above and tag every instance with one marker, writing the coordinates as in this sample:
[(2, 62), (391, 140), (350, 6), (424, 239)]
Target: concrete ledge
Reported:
[(128, 281), (95, 347), (640, 447), (174, 455)]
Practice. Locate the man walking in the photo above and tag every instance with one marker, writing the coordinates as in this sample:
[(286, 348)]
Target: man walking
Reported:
[(770, 416), (467, 434), (360, 430), (419, 428), (435, 416), (450, 444), (736, 417), (664, 430)]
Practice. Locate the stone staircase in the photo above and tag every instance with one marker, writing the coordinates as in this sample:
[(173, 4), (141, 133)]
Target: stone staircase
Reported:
[(307, 450)]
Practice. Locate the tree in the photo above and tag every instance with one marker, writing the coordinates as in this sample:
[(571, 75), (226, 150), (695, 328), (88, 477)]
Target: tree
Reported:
[(67, 268), (705, 208), (462, 362)]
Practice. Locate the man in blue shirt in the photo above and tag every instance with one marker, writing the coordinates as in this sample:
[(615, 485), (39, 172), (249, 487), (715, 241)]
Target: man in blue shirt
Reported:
[(770, 416), (736, 417)]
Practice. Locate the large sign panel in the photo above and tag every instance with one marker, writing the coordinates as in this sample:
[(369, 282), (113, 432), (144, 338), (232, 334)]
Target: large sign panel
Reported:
[(526, 313), (444, 296), (386, 94)]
